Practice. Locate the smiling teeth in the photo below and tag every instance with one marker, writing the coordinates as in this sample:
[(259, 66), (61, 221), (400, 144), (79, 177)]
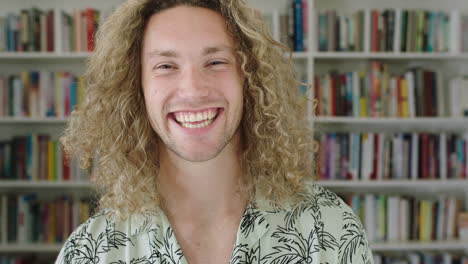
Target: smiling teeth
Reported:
[(185, 117), (199, 125)]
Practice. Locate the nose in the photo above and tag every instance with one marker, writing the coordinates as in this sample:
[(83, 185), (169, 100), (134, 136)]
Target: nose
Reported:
[(193, 84)]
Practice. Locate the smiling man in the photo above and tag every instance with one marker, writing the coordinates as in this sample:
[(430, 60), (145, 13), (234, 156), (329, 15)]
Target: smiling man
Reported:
[(193, 117)]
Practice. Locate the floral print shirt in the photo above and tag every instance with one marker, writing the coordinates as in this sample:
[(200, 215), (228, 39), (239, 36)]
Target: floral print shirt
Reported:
[(321, 229)]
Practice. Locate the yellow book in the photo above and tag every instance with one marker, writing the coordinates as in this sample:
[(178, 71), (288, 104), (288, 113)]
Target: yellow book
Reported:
[(80, 90), (404, 98), (423, 221), (362, 98), (50, 161)]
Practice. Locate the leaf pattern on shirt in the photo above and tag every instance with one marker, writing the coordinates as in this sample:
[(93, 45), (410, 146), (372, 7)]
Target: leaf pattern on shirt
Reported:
[(320, 229)]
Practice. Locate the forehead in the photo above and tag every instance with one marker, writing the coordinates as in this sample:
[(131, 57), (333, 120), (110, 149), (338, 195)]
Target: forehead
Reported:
[(185, 28)]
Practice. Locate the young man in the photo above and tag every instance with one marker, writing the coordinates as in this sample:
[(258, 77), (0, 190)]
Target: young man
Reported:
[(203, 154)]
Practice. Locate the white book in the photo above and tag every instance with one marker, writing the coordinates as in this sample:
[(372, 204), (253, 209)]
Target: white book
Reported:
[(397, 159), (367, 29), (414, 156), (404, 229), (443, 156), (440, 216), (370, 216), (451, 218), (343, 32), (447, 258), (440, 90), (380, 163), (393, 218), (17, 97), (453, 95), (397, 32), (455, 31), (367, 155), (409, 77), (414, 258)]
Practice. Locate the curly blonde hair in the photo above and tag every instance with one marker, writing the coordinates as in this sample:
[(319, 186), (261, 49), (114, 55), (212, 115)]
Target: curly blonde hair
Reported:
[(111, 126)]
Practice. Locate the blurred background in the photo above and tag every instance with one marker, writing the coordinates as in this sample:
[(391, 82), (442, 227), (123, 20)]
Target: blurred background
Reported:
[(390, 80)]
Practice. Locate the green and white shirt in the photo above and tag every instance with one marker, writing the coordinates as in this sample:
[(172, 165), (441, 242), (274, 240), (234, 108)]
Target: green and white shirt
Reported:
[(321, 229)]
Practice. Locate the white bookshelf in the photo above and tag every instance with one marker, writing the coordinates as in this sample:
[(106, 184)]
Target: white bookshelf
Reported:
[(312, 62)]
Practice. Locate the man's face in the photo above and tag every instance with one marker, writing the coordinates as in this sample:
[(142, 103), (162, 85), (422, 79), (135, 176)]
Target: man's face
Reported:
[(191, 82)]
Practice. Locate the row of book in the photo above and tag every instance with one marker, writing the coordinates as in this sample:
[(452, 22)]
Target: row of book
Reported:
[(340, 32), (24, 218), (38, 157), (389, 218), (29, 30), (378, 93), (79, 28), (34, 29), (40, 94), (421, 258), (391, 30), (392, 156), (28, 259)]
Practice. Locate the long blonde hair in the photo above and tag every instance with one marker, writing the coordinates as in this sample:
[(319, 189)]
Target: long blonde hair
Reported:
[(112, 125)]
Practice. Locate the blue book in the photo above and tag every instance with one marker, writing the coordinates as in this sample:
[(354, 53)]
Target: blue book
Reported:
[(430, 32), (29, 157), (322, 32), (72, 94), (298, 38)]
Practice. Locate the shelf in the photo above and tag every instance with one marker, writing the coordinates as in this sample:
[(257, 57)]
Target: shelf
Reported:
[(30, 248), (400, 186), (395, 246), (389, 55), (44, 55), (453, 245), (28, 120), (424, 124), (38, 185)]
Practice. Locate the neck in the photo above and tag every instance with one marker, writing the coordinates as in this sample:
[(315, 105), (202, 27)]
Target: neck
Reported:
[(201, 191)]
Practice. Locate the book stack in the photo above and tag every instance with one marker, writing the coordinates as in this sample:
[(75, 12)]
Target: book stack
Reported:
[(37, 157), (398, 218), (378, 93), (424, 31), (382, 30), (387, 156), (79, 28), (30, 259), (293, 26), (421, 258), (340, 32), (30, 30), (26, 219), (40, 94)]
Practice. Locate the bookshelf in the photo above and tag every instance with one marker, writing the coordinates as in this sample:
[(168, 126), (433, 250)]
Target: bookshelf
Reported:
[(310, 63)]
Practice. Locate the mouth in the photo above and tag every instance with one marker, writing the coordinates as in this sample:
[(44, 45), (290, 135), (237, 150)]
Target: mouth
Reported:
[(196, 119)]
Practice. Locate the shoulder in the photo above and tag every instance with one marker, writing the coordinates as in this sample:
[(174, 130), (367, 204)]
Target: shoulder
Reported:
[(103, 234), (321, 214)]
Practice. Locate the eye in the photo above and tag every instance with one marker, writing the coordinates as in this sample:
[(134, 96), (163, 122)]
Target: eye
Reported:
[(216, 63), (164, 66)]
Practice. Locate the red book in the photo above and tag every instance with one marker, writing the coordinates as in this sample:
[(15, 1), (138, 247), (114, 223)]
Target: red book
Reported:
[(424, 156), (89, 14), (65, 166), (332, 95), (374, 30)]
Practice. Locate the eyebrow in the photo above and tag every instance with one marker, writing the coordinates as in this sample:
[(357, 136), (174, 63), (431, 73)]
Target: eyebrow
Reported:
[(174, 54)]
